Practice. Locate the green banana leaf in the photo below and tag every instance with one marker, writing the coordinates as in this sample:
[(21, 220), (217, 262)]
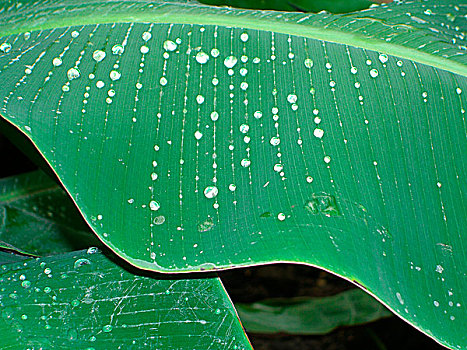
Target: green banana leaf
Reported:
[(84, 300), (223, 138), (303, 315), (38, 218)]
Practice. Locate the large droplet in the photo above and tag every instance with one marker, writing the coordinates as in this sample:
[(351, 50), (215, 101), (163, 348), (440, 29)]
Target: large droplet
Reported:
[(117, 49), (5, 47), (374, 73), (230, 61), (98, 55), (383, 58), (245, 163), (57, 61), (292, 98), (318, 133), (202, 57), (308, 63), (73, 73), (81, 262), (211, 191), (153, 205), (169, 45), (244, 128), (275, 141), (114, 75), (146, 36)]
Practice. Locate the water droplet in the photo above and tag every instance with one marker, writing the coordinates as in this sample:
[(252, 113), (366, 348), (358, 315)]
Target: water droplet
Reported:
[(159, 220), (458, 91), (278, 167), (245, 162), (374, 73), (214, 116), (100, 84), (206, 225), (47, 271), (292, 98), (439, 269), (144, 49), (436, 303), (98, 55), (399, 63), (81, 262), (309, 179), (26, 284), (399, 297), (47, 290), (73, 73), (107, 328), (230, 61), (275, 141), (114, 75), (353, 70), (5, 47), (198, 135), (153, 205), (65, 88), (232, 187), (117, 49), (146, 36), (243, 71), (244, 37), (357, 85), (111, 92), (92, 250), (383, 58), (318, 133), (281, 216), (308, 63), (200, 99), (244, 128), (211, 191), (202, 57), (72, 334), (74, 34), (327, 159), (57, 61), (258, 114), (215, 53), (169, 45), (215, 81), (163, 81), (244, 85)]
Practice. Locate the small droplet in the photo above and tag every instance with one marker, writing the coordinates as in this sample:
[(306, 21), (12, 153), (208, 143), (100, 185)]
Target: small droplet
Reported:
[(154, 206), (154, 176), (374, 73), (146, 36), (214, 116), (117, 49), (278, 167), (244, 128), (163, 81), (275, 141), (244, 37), (74, 34), (353, 70), (327, 159), (232, 187), (309, 179), (383, 58), (26, 284), (81, 262), (111, 93), (98, 55), (245, 163), (114, 75), (169, 45), (200, 99), (318, 133), (230, 61), (458, 91), (100, 84), (73, 73), (144, 49), (308, 63), (159, 220), (198, 135), (107, 328), (211, 192), (281, 216), (439, 269), (92, 250), (215, 53), (292, 98), (258, 114), (243, 71), (5, 47), (202, 57), (57, 61)]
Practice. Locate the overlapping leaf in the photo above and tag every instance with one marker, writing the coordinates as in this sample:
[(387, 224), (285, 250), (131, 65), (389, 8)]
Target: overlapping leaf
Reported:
[(295, 138), (83, 300)]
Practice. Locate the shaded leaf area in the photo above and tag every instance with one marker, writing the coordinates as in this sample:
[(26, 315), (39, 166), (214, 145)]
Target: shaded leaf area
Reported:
[(38, 218), (84, 300), (334, 6), (428, 31), (218, 147), (310, 315)]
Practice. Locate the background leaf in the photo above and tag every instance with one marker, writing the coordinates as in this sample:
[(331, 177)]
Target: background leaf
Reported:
[(84, 300), (310, 315), (38, 218), (226, 146)]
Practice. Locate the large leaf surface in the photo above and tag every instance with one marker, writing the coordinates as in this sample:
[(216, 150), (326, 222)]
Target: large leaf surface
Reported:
[(83, 300), (290, 139), (38, 218)]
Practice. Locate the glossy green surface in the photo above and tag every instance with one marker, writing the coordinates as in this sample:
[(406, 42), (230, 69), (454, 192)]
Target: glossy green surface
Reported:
[(310, 315), (207, 147), (38, 218), (83, 300)]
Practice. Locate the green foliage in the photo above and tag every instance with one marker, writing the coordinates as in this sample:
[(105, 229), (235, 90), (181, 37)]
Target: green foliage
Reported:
[(198, 138)]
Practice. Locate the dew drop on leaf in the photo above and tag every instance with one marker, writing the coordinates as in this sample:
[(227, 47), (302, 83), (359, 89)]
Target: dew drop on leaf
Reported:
[(308, 63), (57, 61), (81, 262), (230, 61), (154, 206), (98, 55), (169, 45), (73, 73), (202, 57), (211, 192), (114, 75), (374, 73), (5, 47)]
